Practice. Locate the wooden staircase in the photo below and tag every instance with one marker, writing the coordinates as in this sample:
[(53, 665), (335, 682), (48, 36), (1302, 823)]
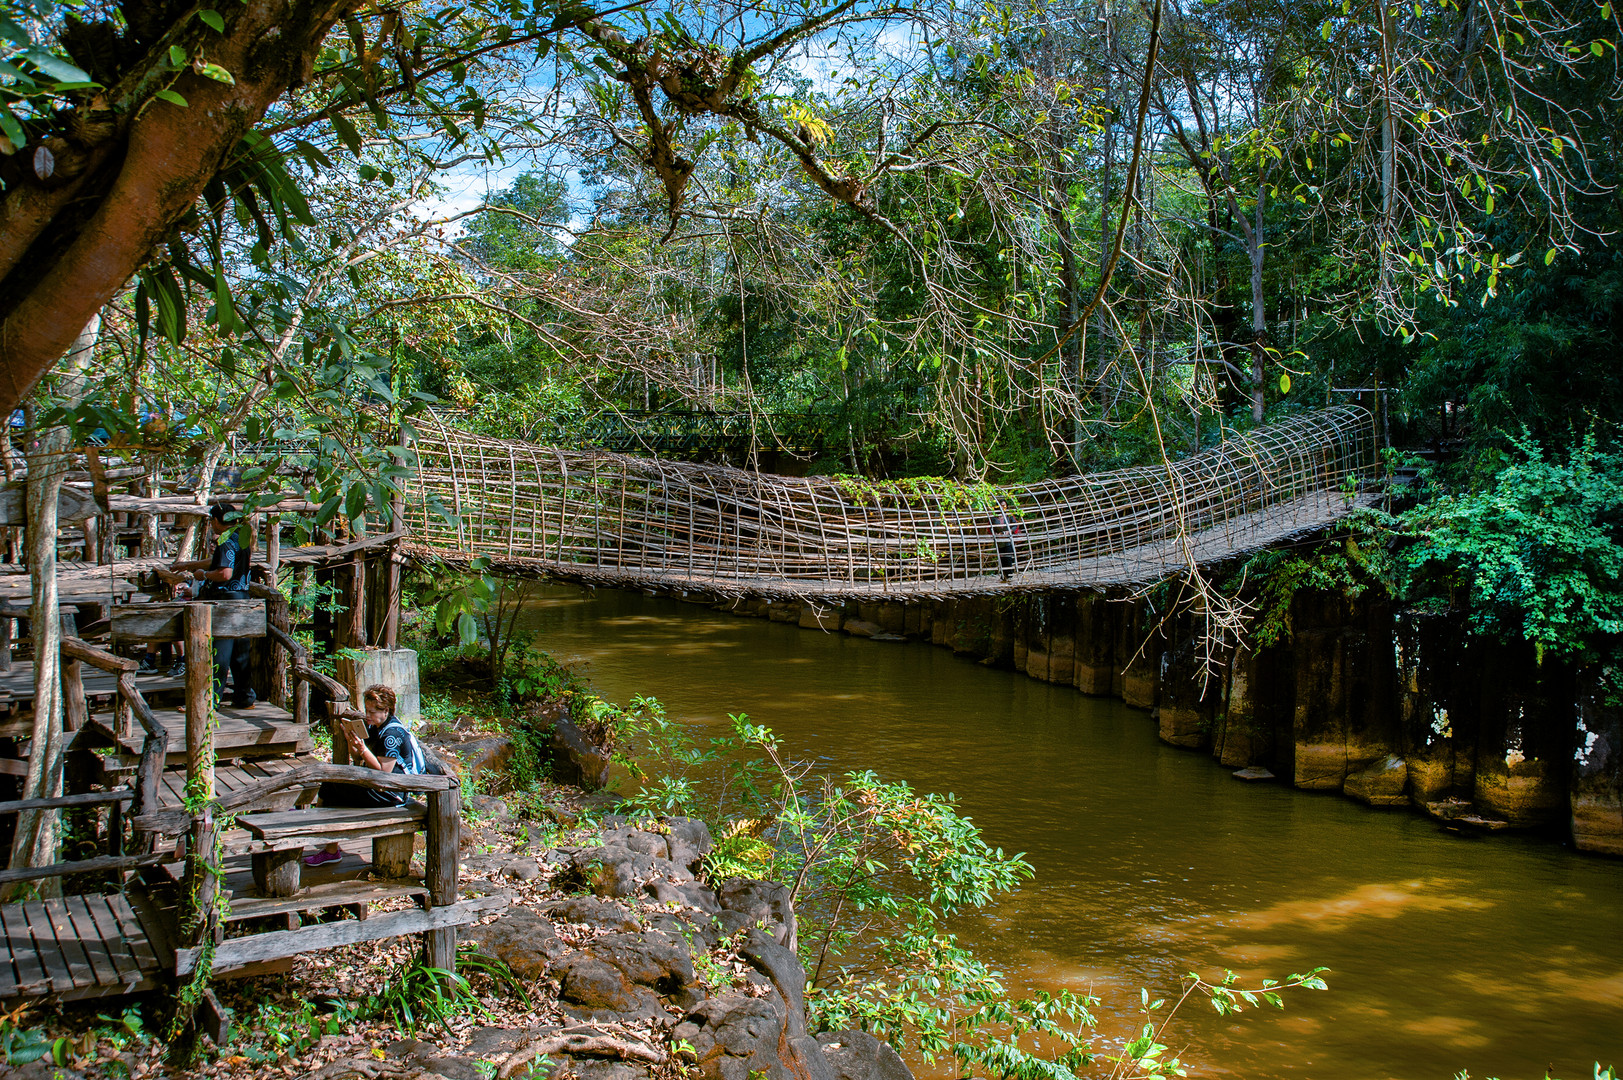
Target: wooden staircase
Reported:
[(255, 775)]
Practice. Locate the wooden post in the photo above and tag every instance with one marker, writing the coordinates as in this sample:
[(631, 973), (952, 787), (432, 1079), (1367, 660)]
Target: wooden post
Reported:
[(107, 541), (391, 855), (92, 537), (38, 832), (75, 710), (391, 618), (441, 866), (276, 873), (199, 901), (200, 698), (115, 828), (340, 745), (6, 625), (149, 522), (355, 629), (123, 717), (273, 547), (278, 612), (149, 773)]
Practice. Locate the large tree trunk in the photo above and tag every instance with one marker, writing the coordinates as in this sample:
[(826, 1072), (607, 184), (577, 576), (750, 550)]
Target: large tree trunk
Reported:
[(39, 832), (71, 241)]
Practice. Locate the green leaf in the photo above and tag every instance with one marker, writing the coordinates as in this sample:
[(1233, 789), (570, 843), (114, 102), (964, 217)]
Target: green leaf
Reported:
[(355, 502), (10, 31), (346, 133), (171, 305), (1487, 207), (1549, 257), (171, 97), (312, 154), (1285, 383), (214, 19), (217, 73), (177, 56), (12, 130), (225, 312), (55, 66)]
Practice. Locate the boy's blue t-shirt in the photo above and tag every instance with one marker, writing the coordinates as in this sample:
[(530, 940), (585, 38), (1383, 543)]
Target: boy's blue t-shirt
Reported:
[(393, 740)]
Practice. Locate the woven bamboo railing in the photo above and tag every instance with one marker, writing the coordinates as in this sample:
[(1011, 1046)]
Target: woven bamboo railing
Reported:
[(613, 519)]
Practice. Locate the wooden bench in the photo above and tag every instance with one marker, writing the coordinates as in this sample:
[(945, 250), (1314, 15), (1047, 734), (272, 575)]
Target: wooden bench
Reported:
[(276, 840)]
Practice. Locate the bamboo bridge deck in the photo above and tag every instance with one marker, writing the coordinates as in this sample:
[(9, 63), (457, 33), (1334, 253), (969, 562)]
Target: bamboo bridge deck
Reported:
[(604, 518)]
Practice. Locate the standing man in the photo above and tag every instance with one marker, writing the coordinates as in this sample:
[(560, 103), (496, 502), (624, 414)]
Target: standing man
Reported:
[(224, 577)]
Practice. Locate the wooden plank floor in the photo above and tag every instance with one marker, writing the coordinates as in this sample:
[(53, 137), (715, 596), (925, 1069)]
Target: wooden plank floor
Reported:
[(232, 778), (19, 682), (74, 947), (263, 729), (17, 689)]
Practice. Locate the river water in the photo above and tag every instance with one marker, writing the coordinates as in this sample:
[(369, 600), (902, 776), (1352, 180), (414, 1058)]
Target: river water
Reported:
[(1501, 956)]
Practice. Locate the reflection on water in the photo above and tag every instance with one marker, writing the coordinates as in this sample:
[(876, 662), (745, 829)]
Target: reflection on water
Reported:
[(1501, 957)]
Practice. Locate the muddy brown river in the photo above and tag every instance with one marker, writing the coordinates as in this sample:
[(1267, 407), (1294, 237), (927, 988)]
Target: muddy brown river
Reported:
[(1501, 956)]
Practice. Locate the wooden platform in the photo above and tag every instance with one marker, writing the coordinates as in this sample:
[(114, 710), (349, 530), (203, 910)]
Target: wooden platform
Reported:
[(263, 729), (75, 947), (17, 685)]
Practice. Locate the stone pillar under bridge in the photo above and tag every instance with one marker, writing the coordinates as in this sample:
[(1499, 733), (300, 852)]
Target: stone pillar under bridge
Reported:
[(1189, 693), (1596, 786), (1437, 714), (1094, 644), (1524, 734), (1139, 645), (1254, 726), (1342, 721)]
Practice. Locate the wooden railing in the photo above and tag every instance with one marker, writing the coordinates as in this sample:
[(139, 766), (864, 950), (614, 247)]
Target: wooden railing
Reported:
[(148, 774)]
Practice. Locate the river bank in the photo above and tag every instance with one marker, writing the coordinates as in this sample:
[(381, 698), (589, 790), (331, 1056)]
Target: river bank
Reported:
[(616, 957)]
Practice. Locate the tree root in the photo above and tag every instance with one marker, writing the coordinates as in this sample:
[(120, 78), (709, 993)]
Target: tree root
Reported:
[(578, 1042)]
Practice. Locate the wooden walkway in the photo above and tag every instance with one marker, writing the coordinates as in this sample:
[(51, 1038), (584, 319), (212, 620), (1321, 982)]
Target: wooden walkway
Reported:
[(76, 947)]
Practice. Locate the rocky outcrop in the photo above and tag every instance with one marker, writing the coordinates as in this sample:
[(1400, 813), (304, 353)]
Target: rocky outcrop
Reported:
[(575, 760), (623, 957)]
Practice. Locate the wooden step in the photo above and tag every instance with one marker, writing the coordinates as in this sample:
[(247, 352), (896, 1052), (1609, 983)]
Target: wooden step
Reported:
[(333, 823), (17, 686), (74, 947), (332, 894), (277, 944)]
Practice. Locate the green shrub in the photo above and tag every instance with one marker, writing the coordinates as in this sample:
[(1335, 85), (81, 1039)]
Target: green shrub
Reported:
[(1537, 554)]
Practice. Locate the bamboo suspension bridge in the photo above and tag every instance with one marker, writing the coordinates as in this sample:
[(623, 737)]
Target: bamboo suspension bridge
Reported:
[(610, 519)]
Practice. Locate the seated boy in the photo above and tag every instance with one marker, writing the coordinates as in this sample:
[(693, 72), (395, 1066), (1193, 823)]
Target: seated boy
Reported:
[(388, 747)]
